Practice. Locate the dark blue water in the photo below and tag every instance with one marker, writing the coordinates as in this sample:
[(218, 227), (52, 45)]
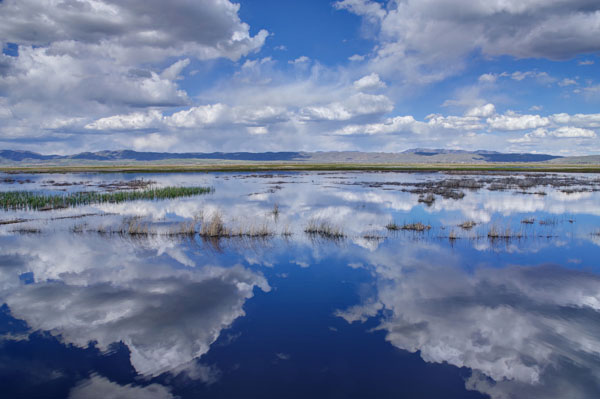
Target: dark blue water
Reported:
[(445, 313)]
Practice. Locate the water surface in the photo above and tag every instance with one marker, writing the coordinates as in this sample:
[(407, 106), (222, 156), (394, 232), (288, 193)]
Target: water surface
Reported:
[(447, 312)]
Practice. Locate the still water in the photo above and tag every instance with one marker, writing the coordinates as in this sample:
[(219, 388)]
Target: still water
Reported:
[(508, 307)]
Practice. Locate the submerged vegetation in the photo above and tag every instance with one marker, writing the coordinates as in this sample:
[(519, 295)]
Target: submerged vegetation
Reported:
[(12, 200)]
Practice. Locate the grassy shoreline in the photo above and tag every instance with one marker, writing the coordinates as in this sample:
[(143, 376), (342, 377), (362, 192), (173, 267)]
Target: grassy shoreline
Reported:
[(264, 167)]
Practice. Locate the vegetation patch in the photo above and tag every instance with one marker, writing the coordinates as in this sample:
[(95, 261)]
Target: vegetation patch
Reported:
[(467, 225), (408, 226), (324, 228), (13, 200)]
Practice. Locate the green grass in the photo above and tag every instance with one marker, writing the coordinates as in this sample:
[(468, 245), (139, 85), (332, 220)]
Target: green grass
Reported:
[(12, 200)]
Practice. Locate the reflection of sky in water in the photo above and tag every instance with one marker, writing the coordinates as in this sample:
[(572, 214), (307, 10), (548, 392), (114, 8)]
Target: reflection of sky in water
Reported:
[(413, 315)]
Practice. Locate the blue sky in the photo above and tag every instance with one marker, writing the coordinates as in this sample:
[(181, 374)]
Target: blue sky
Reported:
[(283, 75)]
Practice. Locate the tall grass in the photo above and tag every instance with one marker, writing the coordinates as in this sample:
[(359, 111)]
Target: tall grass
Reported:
[(12, 200)]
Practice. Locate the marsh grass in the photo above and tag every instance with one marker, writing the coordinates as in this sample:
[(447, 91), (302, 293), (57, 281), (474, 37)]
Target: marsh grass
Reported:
[(14, 200), (324, 229), (418, 226)]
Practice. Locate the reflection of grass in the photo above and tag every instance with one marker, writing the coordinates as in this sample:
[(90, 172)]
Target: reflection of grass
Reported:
[(467, 225), (324, 228), (408, 226), (37, 201), (506, 233)]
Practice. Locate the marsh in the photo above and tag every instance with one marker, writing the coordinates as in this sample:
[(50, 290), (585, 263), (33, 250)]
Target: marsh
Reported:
[(303, 284)]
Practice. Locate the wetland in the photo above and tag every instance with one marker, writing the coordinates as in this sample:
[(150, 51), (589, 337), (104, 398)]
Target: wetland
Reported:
[(307, 283)]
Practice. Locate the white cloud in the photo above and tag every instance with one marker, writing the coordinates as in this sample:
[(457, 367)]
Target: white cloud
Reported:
[(199, 116), (573, 132), (356, 57), (455, 122), (484, 111), (512, 121), (396, 124), (300, 60), (488, 78), (146, 30), (257, 130), (567, 82), (369, 82), (428, 41), (133, 121), (355, 105)]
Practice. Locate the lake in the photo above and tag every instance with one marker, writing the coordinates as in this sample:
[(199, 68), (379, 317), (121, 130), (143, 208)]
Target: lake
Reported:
[(319, 284)]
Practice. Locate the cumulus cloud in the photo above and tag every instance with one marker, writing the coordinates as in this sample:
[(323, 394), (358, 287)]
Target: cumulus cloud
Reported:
[(357, 104), (569, 131), (81, 61), (512, 121), (147, 30), (369, 82), (429, 40), (484, 111)]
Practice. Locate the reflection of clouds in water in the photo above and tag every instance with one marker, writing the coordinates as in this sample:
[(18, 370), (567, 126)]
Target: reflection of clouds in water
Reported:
[(357, 209), (396, 201), (108, 291), (534, 330), (100, 387), (481, 206)]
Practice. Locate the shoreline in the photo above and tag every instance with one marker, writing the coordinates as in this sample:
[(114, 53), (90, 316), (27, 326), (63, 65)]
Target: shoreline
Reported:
[(275, 167)]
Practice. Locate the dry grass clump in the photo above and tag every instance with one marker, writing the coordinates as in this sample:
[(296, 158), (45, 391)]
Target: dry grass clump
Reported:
[(427, 199), (392, 226), (324, 228), (214, 227), (416, 227), (408, 226), (467, 225)]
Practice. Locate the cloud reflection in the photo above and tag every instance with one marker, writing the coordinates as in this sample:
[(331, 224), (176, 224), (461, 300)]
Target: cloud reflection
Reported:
[(524, 331), (106, 290)]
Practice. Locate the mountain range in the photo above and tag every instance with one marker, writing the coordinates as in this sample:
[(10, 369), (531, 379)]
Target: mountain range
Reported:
[(416, 155)]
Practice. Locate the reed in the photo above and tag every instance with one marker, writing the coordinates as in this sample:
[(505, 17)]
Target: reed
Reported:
[(13, 200)]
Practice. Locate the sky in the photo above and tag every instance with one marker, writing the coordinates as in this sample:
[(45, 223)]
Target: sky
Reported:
[(310, 75)]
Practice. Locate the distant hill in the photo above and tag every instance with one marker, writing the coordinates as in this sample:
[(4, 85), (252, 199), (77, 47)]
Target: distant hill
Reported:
[(416, 155)]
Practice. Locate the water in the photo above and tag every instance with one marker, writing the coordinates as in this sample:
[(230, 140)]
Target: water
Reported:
[(448, 312)]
